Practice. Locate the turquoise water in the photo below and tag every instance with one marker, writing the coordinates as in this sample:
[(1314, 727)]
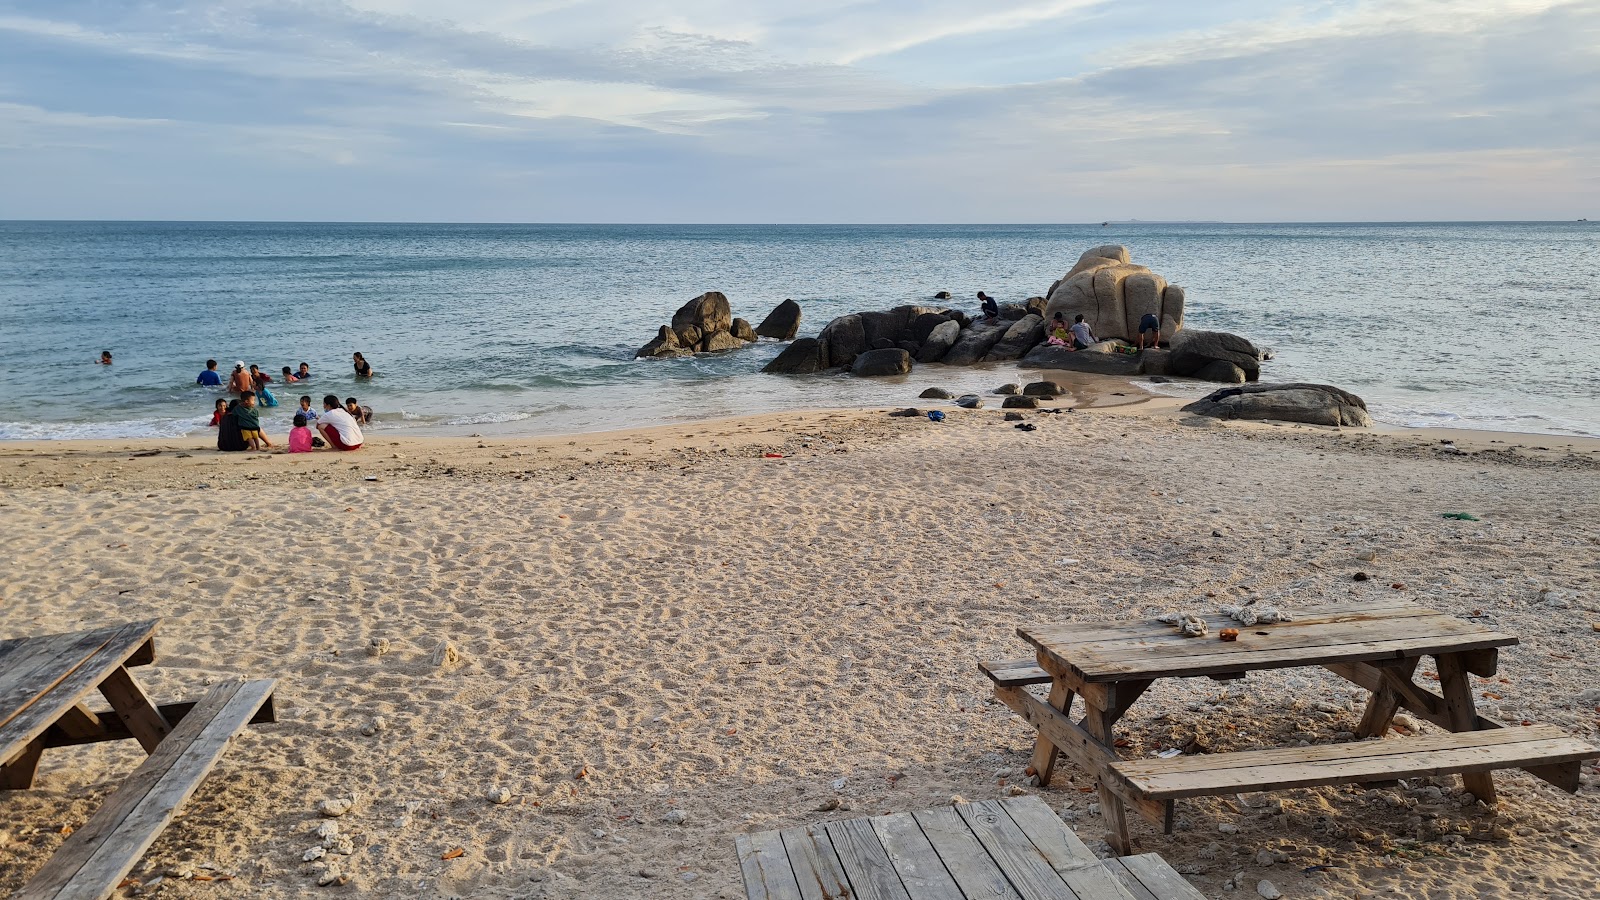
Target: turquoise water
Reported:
[(531, 328)]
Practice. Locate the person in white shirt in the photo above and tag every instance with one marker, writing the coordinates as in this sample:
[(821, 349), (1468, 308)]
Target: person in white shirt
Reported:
[(338, 427)]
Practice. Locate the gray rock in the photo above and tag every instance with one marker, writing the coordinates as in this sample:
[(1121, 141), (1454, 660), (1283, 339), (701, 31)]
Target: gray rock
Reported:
[(882, 344), (939, 342), (942, 295), (718, 341), (1020, 402), (1155, 363), (1018, 339), (974, 343), (664, 346), (1220, 370), (923, 325), (802, 357), (1043, 389), (969, 401), (1171, 312), (1006, 390), (1314, 404), (910, 347), (742, 330), (936, 394), (1014, 417), (1141, 294), (842, 340), (709, 312), (689, 335), (783, 323), (1036, 305), (1064, 359), (1268, 890), (1194, 350), (874, 363)]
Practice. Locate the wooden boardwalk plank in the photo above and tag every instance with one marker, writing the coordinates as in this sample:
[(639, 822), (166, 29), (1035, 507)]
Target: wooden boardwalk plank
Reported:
[(766, 869), (964, 858), (97, 856), (816, 866), (111, 647), (914, 858), (866, 863), (1130, 883), (1158, 879), (1060, 847), (1024, 866)]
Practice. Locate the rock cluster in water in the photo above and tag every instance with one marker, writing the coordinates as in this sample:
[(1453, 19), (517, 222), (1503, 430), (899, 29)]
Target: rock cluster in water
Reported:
[(706, 325)]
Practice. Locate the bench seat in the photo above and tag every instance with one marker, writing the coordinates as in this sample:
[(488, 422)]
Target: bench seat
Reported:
[(94, 859), (1014, 672), (1544, 748)]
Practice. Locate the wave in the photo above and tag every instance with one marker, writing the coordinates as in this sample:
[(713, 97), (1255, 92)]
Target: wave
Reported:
[(82, 431)]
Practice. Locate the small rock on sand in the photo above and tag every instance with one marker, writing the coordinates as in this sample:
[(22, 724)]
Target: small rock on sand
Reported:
[(377, 646), (445, 656), (675, 817), (1268, 890), (336, 806), (497, 794)]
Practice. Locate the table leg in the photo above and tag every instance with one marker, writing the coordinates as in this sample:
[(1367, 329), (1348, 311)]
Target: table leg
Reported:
[(1384, 703), (17, 774), (1456, 687), (1099, 722), (134, 708), (1045, 753)]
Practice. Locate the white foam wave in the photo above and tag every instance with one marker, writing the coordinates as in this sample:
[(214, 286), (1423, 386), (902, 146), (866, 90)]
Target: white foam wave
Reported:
[(492, 418), (92, 431)]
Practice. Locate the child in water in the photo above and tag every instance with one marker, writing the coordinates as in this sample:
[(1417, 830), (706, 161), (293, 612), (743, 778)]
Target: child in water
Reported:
[(306, 410), (299, 436)]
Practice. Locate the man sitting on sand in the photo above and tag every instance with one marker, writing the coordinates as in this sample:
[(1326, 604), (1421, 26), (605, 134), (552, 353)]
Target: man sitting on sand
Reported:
[(338, 428)]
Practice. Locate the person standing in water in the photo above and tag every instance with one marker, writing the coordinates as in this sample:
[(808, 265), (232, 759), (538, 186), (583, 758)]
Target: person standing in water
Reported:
[(209, 377), (105, 358), (240, 381), (363, 368)]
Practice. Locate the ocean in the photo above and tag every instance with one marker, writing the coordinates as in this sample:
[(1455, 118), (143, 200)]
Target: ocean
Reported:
[(531, 329)]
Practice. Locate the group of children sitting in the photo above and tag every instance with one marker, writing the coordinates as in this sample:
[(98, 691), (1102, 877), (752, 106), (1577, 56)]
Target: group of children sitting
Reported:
[(238, 424)]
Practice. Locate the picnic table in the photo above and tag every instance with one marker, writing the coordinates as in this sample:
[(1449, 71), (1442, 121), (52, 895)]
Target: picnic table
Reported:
[(1375, 645), (990, 850), (46, 684)]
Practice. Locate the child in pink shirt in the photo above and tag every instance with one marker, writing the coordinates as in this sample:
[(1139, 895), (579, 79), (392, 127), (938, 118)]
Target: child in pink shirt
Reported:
[(299, 436)]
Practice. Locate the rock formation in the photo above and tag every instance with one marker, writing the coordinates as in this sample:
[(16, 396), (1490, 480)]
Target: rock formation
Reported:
[(703, 325), (1314, 404), (1112, 294), (783, 323)]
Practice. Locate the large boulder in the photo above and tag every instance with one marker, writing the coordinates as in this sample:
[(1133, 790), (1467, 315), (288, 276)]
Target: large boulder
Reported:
[(1141, 295), (1194, 351), (689, 335), (1042, 389), (1047, 356), (1171, 312), (783, 323), (742, 330), (1099, 296), (709, 312), (665, 345), (1220, 370), (843, 339), (923, 325), (1018, 339), (1314, 404), (718, 341), (975, 342), (939, 341), (882, 362), (802, 357)]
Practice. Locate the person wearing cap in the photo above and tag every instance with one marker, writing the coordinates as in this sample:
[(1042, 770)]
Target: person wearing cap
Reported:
[(240, 381)]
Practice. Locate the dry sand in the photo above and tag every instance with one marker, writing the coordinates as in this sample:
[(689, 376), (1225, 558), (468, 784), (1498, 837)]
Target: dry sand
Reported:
[(667, 638)]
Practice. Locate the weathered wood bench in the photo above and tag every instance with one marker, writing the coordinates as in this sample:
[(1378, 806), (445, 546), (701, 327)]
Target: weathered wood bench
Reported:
[(1008, 849), (1544, 749), (96, 858)]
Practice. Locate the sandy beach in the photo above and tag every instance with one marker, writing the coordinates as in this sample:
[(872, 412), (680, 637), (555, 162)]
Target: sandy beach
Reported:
[(660, 639)]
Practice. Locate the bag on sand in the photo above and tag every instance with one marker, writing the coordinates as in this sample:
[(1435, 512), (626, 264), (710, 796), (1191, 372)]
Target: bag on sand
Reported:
[(229, 437)]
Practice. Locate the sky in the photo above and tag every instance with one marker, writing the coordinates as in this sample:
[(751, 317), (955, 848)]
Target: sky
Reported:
[(825, 111)]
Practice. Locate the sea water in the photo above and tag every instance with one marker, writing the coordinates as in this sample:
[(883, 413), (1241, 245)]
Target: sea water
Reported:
[(531, 329)]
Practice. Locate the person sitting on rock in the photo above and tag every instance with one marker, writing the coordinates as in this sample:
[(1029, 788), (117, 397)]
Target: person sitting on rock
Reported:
[(1060, 334), (991, 309), (1082, 337), (1149, 325)]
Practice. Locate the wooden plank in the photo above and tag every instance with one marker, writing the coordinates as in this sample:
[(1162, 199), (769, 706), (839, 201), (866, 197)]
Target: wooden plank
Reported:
[(138, 714), (816, 866), (914, 859), (1089, 633), (1014, 672), (1455, 685), (1096, 883), (973, 870), (1044, 752), (112, 728), (1130, 882), (91, 862), (1182, 667), (1128, 655), (1056, 842), (866, 863), (1385, 701), (1434, 755), (1390, 746), (1371, 677), (42, 665), (16, 774), (1016, 856), (1160, 879), (69, 690), (765, 866)]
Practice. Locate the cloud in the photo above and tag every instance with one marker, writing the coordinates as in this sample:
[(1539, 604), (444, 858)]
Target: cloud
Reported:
[(873, 109)]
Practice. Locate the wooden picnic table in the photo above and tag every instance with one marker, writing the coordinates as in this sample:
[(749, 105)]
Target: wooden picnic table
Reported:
[(46, 684), (1375, 645)]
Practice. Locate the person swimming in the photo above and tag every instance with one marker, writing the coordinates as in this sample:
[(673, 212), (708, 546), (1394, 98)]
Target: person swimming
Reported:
[(105, 358), (363, 368)]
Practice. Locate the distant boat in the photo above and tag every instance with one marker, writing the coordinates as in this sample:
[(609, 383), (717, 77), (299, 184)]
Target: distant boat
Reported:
[(1104, 224)]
